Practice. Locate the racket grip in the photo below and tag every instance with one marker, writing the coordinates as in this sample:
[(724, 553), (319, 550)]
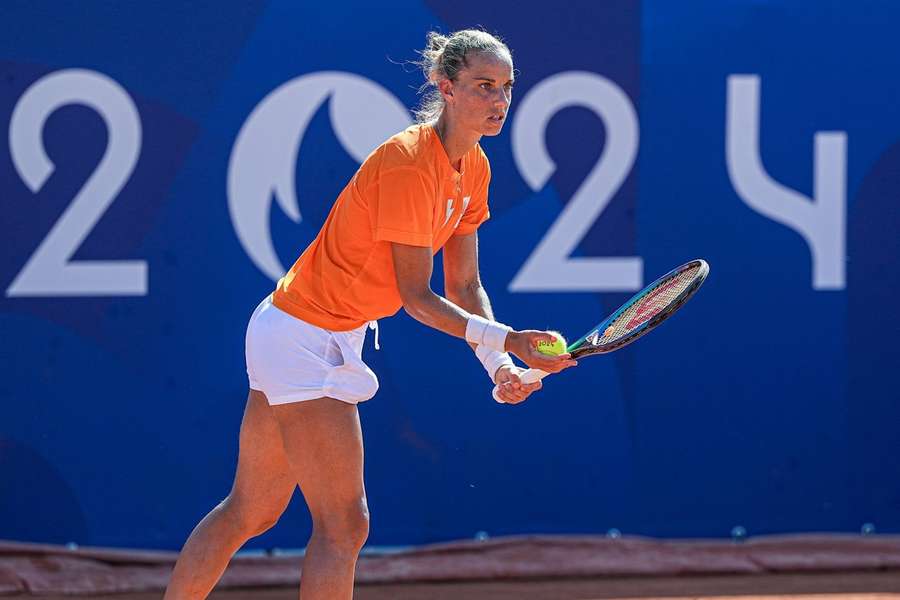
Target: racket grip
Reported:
[(529, 376)]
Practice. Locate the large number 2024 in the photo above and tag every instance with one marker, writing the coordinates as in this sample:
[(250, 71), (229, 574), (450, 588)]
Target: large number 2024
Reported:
[(550, 267), (49, 271)]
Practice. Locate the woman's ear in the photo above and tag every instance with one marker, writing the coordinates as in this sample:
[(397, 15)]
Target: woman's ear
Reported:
[(446, 88)]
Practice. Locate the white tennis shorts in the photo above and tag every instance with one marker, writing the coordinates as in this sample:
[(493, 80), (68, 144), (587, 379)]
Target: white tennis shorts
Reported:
[(290, 360)]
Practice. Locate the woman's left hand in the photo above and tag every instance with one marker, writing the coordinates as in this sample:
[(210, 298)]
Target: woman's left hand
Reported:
[(511, 388)]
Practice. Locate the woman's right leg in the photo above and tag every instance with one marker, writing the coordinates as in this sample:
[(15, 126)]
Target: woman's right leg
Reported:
[(262, 489)]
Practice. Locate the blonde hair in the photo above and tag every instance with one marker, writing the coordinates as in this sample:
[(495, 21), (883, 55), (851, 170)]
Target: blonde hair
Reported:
[(444, 57)]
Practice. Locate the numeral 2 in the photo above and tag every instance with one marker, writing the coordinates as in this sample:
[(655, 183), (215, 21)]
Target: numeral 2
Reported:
[(550, 268), (49, 271)]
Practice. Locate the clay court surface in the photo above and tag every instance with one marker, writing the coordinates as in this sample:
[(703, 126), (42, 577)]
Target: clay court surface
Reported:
[(811, 567), (824, 586)]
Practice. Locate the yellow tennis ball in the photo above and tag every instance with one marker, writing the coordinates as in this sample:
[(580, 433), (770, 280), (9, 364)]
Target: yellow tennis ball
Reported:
[(554, 348)]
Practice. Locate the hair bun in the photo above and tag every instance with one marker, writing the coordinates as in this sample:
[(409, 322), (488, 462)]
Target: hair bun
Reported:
[(436, 41)]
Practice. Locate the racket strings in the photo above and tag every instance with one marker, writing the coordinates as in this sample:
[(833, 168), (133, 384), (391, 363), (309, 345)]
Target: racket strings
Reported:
[(649, 305)]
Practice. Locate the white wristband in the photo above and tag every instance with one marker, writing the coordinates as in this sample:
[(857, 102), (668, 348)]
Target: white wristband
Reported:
[(492, 360), (487, 333)]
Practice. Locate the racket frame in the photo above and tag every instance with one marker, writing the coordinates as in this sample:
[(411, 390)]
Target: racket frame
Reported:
[(578, 348)]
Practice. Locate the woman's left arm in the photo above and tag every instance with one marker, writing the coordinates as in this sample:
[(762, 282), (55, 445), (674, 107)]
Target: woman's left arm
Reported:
[(462, 286), (412, 270), (462, 282)]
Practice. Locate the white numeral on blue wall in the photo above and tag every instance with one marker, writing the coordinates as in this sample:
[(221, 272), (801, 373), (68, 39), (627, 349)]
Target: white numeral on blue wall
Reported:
[(551, 268), (264, 158), (820, 220), (49, 271)]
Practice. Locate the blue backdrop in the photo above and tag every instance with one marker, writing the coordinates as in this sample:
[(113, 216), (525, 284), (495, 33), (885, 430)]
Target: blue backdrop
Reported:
[(138, 236)]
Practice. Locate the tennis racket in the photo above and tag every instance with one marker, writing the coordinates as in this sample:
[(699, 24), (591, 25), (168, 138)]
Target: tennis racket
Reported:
[(642, 313)]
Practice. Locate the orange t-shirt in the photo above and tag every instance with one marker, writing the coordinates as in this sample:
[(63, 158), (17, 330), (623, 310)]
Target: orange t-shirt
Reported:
[(406, 191)]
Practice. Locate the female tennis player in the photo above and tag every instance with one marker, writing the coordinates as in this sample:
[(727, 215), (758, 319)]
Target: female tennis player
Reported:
[(422, 190)]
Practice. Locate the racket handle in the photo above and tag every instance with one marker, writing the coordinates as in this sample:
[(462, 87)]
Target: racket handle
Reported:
[(529, 376), (533, 375)]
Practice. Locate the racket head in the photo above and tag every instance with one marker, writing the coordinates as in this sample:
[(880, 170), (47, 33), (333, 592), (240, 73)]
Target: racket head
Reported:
[(644, 311)]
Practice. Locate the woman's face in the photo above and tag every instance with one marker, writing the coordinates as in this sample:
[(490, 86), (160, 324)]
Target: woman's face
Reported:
[(479, 97)]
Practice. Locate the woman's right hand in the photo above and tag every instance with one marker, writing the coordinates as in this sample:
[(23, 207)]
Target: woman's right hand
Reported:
[(524, 345)]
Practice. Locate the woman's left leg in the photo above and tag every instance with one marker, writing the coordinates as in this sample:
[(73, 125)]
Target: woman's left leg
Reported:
[(323, 442)]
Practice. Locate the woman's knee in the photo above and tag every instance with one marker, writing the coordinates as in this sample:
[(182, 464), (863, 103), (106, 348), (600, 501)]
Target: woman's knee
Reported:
[(344, 525), (252, 519)]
